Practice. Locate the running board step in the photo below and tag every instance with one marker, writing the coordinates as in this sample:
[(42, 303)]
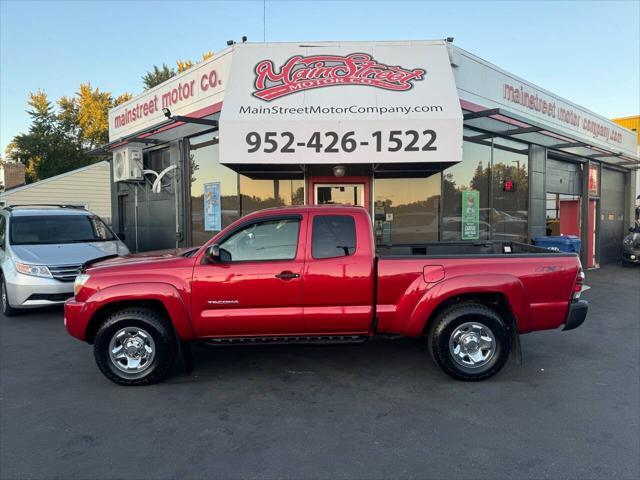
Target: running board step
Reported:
[(300, 340)]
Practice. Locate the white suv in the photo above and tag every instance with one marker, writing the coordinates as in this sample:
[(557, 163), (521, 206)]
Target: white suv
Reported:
[(42, 248)]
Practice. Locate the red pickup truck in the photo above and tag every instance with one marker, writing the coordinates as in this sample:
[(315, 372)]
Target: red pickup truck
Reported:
[(312, 274)]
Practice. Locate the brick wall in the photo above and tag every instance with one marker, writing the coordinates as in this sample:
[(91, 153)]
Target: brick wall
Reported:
[(13, 174)]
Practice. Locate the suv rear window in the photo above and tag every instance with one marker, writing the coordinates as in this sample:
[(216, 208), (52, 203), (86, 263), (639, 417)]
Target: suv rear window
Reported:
[(55, 229), (333, 236)]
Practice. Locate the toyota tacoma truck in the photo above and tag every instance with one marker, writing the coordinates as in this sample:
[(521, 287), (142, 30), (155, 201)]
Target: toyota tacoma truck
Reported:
[(312, 274)]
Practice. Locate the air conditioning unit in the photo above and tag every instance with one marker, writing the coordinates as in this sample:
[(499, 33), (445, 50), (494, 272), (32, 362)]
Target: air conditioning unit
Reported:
[(127, 163)]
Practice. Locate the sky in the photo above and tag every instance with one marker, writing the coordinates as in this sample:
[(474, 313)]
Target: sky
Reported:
[(586, 52)]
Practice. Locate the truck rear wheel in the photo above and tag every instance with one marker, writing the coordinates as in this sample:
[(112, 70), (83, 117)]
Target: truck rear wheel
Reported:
[(470, 341), (135, 346)]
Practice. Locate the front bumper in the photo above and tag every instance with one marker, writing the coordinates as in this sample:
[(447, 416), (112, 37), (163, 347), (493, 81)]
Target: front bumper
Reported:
[(26, 291), (576, 315), (76, 318)]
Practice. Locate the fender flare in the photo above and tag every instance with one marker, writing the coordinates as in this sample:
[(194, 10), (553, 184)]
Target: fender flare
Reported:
[(164, 293), (507, 285)]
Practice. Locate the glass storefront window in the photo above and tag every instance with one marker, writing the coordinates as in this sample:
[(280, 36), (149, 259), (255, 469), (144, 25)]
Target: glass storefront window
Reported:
[(205, 168), (510, 190), (259, 194), (406, 210), (503, 185), (473, 173)]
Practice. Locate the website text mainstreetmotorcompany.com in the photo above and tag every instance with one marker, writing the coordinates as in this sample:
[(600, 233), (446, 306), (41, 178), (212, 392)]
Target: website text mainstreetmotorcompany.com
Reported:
[(351, 109)]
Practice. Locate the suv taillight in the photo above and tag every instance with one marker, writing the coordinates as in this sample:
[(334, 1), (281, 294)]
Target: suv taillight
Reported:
[(577, 286)]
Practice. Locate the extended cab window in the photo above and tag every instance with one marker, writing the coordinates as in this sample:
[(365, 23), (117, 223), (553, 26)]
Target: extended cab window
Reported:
[(270, 240), (333, 236)]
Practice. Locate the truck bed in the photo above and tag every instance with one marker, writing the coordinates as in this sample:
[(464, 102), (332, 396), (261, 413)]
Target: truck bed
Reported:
[(535, 289), (463, 249)]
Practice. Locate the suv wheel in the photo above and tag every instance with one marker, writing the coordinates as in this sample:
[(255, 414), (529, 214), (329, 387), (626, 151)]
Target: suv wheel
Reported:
[(135, 346), (470, 341), (7, 309)]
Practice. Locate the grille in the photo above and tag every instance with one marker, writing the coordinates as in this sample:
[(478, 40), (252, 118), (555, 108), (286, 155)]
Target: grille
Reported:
[(65, 273), (52, 297)]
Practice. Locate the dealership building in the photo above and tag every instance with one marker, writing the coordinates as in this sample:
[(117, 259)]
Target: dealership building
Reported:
[(436, 143)]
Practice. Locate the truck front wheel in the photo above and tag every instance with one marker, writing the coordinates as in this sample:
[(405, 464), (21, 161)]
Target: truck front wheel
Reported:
[(469, 341), (135, 346)]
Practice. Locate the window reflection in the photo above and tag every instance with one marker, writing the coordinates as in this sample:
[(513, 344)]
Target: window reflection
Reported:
[(259, 194), (470, 174), (504, 215), (406, 209), (510, 189), (205, 166)]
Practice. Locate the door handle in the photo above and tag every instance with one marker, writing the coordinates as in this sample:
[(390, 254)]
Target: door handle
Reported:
[(286, 275)]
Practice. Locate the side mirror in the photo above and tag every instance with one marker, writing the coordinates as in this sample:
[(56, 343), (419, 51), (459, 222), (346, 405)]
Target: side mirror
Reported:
[(632, 229), (213, 253), (120, 235)]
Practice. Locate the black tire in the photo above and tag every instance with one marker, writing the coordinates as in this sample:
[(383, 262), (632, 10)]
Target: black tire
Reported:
[(7, 309), (148, 321), (446, 324)]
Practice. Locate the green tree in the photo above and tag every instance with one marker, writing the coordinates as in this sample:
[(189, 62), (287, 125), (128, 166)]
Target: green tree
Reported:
[(93, 118), (47, 149), (184, 65), (157, 75), (58, 138), (68, 115), (124, 97)]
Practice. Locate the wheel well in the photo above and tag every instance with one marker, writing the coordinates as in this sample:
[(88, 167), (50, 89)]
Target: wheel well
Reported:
[(493, 300), (104, 312)]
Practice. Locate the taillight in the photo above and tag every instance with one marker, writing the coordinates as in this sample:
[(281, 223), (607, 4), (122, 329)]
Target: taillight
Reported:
[(577, 286)]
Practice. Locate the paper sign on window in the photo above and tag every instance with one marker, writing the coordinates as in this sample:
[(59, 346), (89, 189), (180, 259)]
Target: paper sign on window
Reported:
[(470, 215), (212, 211)]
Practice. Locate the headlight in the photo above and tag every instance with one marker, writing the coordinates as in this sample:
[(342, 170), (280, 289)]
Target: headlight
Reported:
[(35, 270), (81, 279)]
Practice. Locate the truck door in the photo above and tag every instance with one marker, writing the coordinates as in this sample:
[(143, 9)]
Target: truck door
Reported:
[(256, 287), (338, 275)]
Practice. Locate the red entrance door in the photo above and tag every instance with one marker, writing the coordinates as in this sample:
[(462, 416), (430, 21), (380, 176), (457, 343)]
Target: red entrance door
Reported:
[(570, 217), (591, 231), (570, 225)]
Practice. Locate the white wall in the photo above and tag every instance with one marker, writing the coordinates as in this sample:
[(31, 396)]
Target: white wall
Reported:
[(89, 186)]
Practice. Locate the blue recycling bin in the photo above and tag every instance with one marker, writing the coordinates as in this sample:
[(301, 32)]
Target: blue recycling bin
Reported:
[(562, 243)]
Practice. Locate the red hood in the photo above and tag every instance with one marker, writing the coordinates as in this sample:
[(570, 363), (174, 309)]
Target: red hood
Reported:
[(143, 257)]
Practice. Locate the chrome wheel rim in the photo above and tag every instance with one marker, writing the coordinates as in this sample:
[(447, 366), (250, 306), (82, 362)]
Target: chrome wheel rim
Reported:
[(132, 350), (472, 345)]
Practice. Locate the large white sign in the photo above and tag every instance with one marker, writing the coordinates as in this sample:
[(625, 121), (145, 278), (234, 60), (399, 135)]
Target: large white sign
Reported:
[(341, 103), (202, 86), (485, 84)]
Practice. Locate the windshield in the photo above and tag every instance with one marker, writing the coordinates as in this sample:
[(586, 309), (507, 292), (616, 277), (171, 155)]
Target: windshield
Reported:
[(56, 229)]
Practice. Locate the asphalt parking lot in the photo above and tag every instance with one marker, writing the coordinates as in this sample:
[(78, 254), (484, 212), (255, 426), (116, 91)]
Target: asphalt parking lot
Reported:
[(381, 410)]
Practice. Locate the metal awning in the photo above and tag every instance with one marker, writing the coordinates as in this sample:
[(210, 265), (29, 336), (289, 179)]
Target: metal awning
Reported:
[(509, 130), (171, 129)]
